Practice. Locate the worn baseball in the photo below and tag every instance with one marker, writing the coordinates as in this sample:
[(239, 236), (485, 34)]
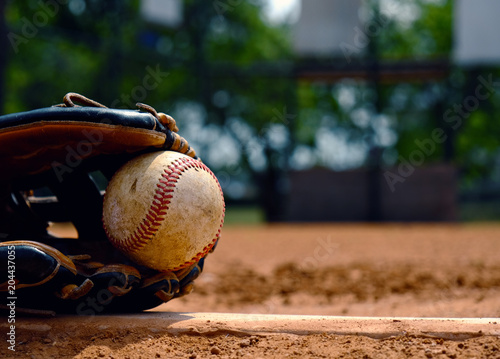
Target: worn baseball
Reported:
[(164, 210)]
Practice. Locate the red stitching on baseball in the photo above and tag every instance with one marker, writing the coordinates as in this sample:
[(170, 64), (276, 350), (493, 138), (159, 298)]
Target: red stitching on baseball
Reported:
[(145, 231), (207, 248)]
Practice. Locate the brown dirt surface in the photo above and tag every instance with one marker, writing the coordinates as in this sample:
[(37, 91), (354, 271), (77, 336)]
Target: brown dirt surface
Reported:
[(408, 270), (134, 345), (385, 270)]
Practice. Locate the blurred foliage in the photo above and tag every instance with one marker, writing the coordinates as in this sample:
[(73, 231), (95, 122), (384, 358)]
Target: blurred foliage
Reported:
[(425, 31), (226, 75), (399, 116)]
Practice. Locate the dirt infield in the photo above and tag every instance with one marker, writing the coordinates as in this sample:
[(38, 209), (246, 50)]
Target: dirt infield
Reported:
[(357, 270), (388, 270)]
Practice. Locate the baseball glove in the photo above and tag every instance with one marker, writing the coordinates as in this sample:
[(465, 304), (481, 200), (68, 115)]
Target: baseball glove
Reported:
[(55, 165)]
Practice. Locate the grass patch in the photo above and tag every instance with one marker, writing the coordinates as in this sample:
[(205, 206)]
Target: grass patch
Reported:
[(243, 215), (479, 211)]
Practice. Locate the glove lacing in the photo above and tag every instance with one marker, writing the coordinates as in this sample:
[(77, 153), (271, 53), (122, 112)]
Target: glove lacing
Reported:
[(175, 143)]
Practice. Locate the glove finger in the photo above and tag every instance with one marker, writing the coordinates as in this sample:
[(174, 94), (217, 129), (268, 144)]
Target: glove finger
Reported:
[(187, 278), (36, 268), (118, 279), (163, 285), (40, 138), (153, 291), (35, 264), (191, 273), (111, 282)]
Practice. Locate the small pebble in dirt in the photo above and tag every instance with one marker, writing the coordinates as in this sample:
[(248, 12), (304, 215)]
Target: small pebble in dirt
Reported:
[(46, 341), (245, 343), (215, 350)]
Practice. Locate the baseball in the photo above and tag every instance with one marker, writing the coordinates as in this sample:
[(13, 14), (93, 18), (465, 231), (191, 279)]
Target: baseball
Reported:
[(164, 210)]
